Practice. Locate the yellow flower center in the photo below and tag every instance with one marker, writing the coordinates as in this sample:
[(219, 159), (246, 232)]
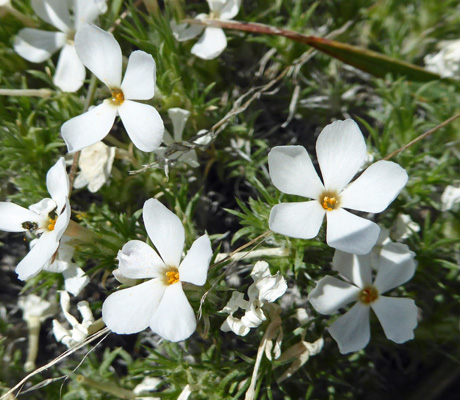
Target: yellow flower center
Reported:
[(51, 223), (172, 276), (118, 97), (368, 295), (329, 201)]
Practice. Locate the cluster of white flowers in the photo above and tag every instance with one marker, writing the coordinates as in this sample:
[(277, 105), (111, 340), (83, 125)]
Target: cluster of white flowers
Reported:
[(159, 275), (37, 46), (265, 289)]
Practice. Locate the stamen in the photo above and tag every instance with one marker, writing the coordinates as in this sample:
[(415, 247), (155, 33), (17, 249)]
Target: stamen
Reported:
[(172, 276), (51, 223), (329, 203), (368, 295), (118, 97)]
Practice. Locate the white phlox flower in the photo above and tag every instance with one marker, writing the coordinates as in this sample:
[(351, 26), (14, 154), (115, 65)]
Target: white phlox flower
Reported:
[(213, 41), (35, 310), (101, 54), (341, 150), (95, 164), (450, 197), (159, 303), (47, 219), (398, 316), (37, 46), (79, 331), (74, 277), (265, 289), (179, 118), (447, 61)]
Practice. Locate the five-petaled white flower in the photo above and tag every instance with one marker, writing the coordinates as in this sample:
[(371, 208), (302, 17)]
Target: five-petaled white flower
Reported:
[(213, 42), (159, 302), (48, 219), (101, 54), (341, 150), (398, 316), (37, 46)]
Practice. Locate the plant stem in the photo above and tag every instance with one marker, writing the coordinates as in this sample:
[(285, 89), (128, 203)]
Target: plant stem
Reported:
[(26, 92), (423, 136)]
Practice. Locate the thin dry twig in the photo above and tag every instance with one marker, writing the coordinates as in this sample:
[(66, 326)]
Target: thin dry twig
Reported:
[(56, 360), (422, 136)]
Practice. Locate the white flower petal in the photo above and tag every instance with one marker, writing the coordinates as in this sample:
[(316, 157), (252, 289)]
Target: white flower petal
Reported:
[(376, 188), (194, 267), (75, 279), (292, 171), (397, 316), (130, 310), (55, 12), (271, 288), (139, 80), (62, 221), (229, 10), (143, 124), (43, 207), (89, 128), (137, 260), (37, 46), (350, 233), (100, 53), (341, 151), (393, 272), (95, 164), (211, 44), (123, 279), (12, 216), (298, 220), (179, 117), (165, 230), (235, 325), (183, 32), (174, 319), (260, 270), (404, 227), (352, 331), (86, 11), (57, 183), (236, 301), (331, 294), (70, 72), (356, 269), (450, 197), (254, 314), (38, 256)]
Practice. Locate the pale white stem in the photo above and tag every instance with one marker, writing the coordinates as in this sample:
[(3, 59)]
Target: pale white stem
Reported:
[(26, 92), (33, 325), (276, 252), (269, 333)]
